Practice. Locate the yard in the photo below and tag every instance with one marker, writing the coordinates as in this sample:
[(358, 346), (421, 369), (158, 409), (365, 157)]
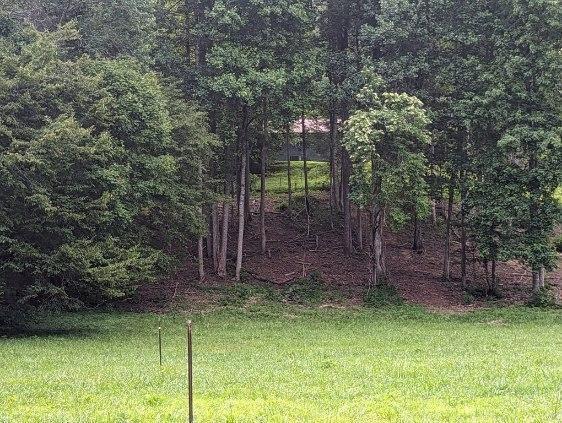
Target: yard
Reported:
[(273, 363), (276, 180)]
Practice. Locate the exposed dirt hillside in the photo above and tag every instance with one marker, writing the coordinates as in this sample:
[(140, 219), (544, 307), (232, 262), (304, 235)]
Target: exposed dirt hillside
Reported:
[(291, 254)]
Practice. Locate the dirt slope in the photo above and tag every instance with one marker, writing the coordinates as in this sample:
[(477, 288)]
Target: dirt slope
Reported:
[(290, 254)]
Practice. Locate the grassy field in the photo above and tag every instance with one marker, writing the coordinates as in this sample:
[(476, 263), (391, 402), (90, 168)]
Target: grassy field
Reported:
[(276, 180), (289, 365)]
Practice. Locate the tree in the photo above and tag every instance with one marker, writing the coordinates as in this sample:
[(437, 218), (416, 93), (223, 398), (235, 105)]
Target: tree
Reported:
[(387, 134), (107, 28), (248, 46), (100, 188)]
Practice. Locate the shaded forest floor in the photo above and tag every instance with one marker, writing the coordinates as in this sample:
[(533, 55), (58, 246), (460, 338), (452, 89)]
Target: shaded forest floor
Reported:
[(291, 254)]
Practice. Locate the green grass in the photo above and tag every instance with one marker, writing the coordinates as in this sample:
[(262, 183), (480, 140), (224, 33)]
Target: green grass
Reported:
[(290, 365), (276, 179)]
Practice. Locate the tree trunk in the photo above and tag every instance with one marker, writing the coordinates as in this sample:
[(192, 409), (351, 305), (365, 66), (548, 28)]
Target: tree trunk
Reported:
[(243, 196), (289, 184), (262, 185), (305, 168), (432, 173), (494, 283), (360, 227), (447, 255), (377, 270), (221, 268), (377, 258), (247, 190), (542, 277), (346, 172), (200, 257), (417, 244), (487, 276), (215, 235), (334, 183), (463, 230), (536, 281), (434, 212), (208, 237)]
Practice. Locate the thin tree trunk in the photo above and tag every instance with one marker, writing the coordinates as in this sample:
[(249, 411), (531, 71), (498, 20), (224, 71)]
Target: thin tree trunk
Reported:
[(542, 277), (378, 270), (487, 275), (463, 234), (334, 184), (247, 190), (215, 235), (305, 167), (346, 171), (289, 183), (200, 257), (221, 269), (447, 255), (360, 227), (242, 199), (434, 212), (463, 192), (262, 184), (494, 282), (417, 244), (432, 173), (208, 237), (536, 281), (200, 260)]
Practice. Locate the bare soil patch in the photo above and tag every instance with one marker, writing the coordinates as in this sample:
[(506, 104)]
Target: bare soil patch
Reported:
[(292, 254)]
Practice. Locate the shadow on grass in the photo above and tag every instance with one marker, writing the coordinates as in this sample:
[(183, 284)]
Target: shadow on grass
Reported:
[(29, 331)]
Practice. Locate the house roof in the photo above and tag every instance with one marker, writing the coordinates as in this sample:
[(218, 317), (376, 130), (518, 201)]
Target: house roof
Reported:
[(312, 125)]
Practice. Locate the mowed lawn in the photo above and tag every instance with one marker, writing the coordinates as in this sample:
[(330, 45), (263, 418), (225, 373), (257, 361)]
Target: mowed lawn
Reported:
[(278, 364), (276, 178)]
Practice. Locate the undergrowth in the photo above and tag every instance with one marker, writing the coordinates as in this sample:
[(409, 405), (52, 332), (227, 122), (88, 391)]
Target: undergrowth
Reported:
[(382, 295), (544, 298), (308, 290)]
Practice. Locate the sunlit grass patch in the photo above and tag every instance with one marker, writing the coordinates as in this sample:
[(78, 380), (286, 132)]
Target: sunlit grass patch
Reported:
[(276, 180)]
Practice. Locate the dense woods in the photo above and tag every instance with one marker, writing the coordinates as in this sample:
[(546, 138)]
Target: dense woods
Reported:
[(129, 131)]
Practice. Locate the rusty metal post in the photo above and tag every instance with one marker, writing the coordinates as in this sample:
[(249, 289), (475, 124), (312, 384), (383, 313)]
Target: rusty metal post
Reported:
[(160, 344)]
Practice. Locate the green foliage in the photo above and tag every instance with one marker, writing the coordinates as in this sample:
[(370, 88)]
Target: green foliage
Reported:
[(387, 134), (557, 242), (545, 298), (307, 290), (382, 295), (98, 169), (246, 293), (468, 298), (489, 74), (108, 28), (558, 195)]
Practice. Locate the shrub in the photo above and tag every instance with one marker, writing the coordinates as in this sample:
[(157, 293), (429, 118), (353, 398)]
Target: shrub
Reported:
[(99, 180), (307, 290), (544, 298), (382, 295)]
